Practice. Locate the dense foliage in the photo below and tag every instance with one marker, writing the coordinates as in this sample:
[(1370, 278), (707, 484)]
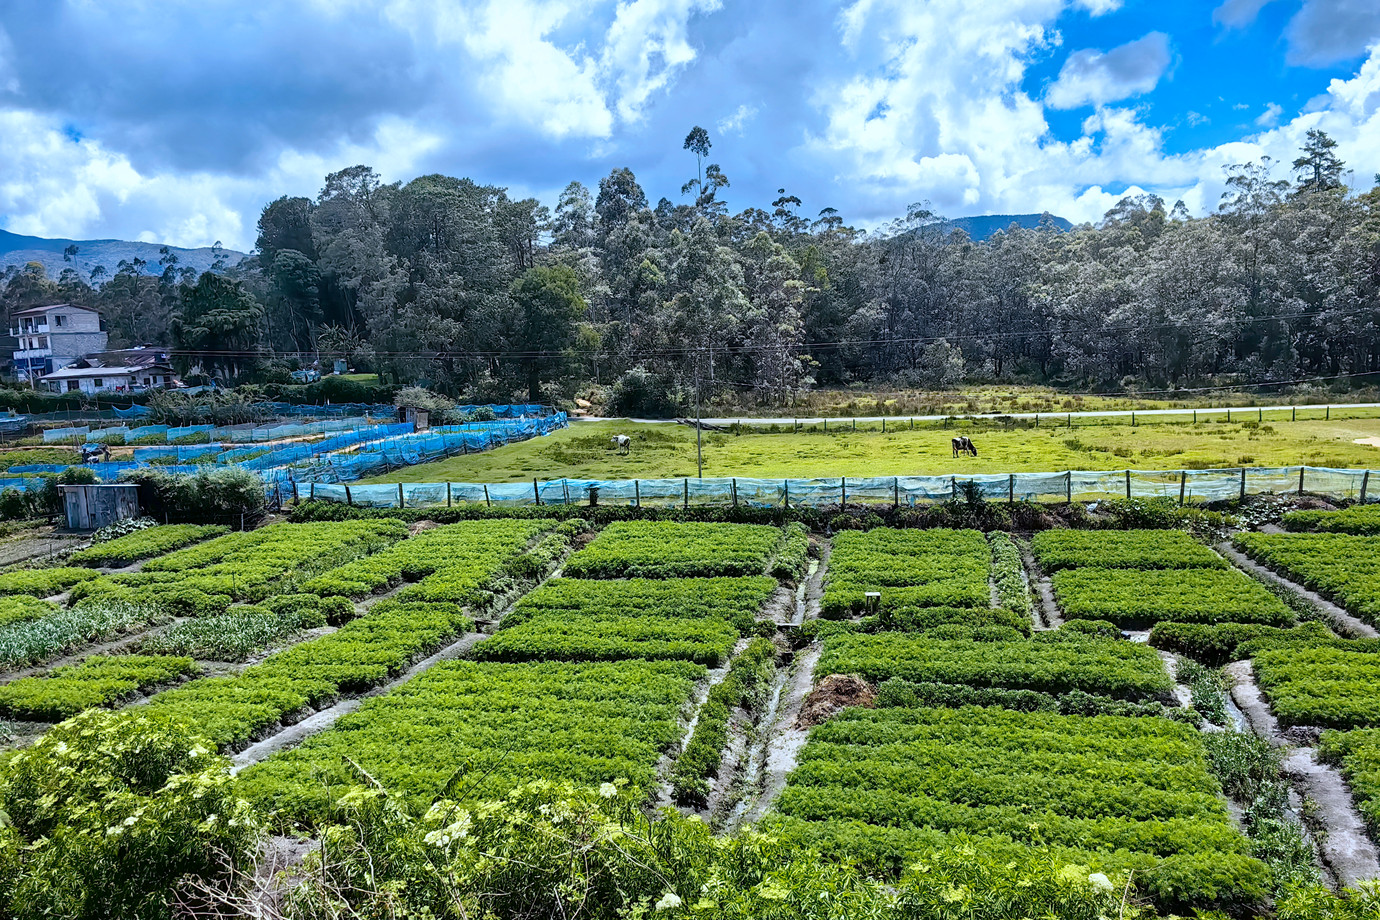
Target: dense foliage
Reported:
[(1122, 549), (1362, 520), (1138, 598), (100, 680), (143, 544), (1331, 687)]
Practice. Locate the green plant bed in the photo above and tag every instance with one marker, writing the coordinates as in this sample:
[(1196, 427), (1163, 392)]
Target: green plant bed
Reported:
[(1137, 599), (98, 681)]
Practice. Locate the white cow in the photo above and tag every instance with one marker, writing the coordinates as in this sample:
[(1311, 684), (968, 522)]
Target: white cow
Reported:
[(622, 442)]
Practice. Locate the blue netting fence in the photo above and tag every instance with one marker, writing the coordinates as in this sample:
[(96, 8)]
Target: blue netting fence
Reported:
[(1186, 485)]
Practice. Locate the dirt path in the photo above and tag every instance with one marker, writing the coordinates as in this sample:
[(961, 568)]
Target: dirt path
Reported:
[(1344, 623), (1345, 849), (1046, 612), (26, 547)]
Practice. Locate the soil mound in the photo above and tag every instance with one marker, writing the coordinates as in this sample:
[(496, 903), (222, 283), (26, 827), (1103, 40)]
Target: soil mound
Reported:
[(832, 694)]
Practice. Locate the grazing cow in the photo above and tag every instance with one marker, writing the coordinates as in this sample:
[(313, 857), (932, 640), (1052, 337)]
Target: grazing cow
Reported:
[(623, 442), (964, 445)]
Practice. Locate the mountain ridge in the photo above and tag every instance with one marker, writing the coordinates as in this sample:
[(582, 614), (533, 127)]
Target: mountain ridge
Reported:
[(18, 250)]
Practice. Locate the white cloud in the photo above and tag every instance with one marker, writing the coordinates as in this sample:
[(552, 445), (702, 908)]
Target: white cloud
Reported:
[(951, 122), (1091, 77), (646, 46), (1235, 14), (55, 186), (1323, 32), (1270, 117), (733, 124)]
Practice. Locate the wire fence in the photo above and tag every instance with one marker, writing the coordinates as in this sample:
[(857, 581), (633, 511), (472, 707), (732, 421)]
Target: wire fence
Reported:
[(1183, 486)]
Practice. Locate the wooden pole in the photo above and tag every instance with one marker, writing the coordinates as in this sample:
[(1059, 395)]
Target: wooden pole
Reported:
[(349, 499), (843, 491), (1329, 413), (953, 488), (1243, 483), (1068, 487), (883, 426), (313, 490), (1183, 483), (488, 502), (1301, 469), (1294, 413), (1365, 481), (536, 493), (637, 493), (733, 484), (687, 494), (1011, 489), (400, 495), (786, 484), (1128, 485), (896, 492)]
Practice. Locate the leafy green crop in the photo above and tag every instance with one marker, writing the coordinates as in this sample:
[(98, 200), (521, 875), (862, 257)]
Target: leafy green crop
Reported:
[(98, 681), (1217, 644), (665, 549), (486, 727), (16, 608), (1136, 598), (579, 637), (1122, 549), (1110, 668), (1332, 686), (1342, 567), (911, 568), (42, 582), (143, 544), (1362, 520)]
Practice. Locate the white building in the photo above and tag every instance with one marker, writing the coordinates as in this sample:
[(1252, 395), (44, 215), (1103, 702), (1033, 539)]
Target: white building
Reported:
[(52, 337), (130, 371)]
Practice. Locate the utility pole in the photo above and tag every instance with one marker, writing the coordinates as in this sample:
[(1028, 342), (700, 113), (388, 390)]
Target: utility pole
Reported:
[(699, 429)]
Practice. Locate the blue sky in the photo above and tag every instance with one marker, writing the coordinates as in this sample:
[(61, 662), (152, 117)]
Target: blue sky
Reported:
[(169, 121)]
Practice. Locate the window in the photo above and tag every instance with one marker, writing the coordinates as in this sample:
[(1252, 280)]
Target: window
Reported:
[(72, 386), (42, 341), (98, 383), (59, 320), (147, 381)]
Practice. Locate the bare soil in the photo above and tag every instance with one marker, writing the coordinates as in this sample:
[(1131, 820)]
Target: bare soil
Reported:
[(834, 693)]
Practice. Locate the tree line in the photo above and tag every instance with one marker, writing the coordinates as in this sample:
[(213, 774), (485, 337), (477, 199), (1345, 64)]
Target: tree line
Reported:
[(465, 289)]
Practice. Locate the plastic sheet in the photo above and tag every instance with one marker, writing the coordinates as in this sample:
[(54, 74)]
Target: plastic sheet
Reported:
[(64, 434), (1193, 486)]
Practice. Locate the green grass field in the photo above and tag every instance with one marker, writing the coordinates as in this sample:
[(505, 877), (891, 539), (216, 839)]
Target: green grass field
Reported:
[(665, 451)]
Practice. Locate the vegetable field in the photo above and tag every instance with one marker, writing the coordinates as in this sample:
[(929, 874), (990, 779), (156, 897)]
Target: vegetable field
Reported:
[(999, 693)]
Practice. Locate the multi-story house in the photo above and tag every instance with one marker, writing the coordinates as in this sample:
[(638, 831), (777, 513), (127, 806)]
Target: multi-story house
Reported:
[(52, 337)]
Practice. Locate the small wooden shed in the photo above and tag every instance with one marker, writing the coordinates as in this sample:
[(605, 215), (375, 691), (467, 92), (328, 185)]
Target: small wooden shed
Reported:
[(420, 418), (91, 507)]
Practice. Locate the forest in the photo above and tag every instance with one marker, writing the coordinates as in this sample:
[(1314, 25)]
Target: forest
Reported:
[(461, 287)]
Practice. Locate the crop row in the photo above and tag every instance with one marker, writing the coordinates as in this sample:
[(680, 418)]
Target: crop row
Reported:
[(98, 681), (1122, 549), (745, 683), (1008, 575), (16, 608), (490, 726), (1134, 790), (42, 582), (1216, 644), (736, 600), (1362, 520), (579, 637), (914, 695), (243, 631), (1137, 598), (361, 654), (43, 638), (664, 549), (1331, 687), (144, 544), (254, 565), (1050, 663), (1343, 567), (458, 563), (910, 568), (1358, 755), (792, 554)]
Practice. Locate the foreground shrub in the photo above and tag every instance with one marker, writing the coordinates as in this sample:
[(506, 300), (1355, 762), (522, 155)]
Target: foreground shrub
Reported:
[(109, 813)]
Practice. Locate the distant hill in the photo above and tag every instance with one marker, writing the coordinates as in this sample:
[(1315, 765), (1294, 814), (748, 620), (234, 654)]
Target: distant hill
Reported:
[(984, 225), (19, 250)]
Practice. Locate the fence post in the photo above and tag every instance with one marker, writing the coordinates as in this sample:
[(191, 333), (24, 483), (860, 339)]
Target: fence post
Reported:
[(953, 488), (896, 492), (450, 500), (1037, 420), (1365, 481), (1011, 489), (312, 496), (294, 491), (1183, 483), (1260, 415), (912, 423), (687, 494), (637, 493), (826, 424), (1195, 416), (565, 487), (1301, 469), (1133, 418), (1068, 486), (855, 423), (536, 493), (733, 484), (1070, 419), (349, 499), (400, 495), (786, 484), (843, 491), (883, 425), (1243, 483), (1329, 412), (1294, 413), (1128, 485)]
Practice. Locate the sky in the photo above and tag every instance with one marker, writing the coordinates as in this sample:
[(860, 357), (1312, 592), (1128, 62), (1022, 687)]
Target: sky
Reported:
[(176, 122)]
